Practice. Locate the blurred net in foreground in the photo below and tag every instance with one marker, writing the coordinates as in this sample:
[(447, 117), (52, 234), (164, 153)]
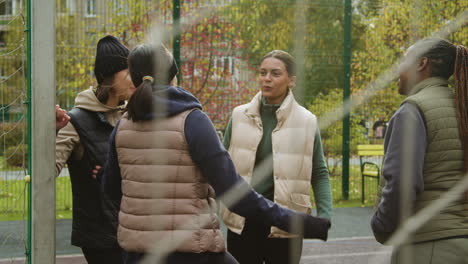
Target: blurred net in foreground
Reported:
[(220, 53)]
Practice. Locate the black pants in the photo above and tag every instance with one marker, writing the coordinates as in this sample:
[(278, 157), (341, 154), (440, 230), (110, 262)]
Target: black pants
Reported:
[(254, 247), (187, 258), (103, 256)]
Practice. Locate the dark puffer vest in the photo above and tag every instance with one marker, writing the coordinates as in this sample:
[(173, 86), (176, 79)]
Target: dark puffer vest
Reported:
[(90, 226)]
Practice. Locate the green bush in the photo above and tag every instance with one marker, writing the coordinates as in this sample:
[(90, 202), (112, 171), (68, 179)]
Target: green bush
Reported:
[(16, 156), (332, 135), (12, 134)]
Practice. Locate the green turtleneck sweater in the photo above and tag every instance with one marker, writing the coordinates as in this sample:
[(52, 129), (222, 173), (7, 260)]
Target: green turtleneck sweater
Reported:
[(320, 177)]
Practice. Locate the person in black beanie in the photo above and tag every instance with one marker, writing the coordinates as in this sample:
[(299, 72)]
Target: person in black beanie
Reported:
[(82, 144)]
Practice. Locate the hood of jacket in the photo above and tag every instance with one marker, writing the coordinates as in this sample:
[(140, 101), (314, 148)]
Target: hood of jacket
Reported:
[(172, 100), (87, 100)]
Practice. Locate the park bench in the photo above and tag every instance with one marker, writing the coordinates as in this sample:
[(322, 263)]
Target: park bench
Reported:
[(369, 168)]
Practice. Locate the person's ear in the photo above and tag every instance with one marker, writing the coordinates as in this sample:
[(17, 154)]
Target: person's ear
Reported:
[(423, 64), (292, 82)]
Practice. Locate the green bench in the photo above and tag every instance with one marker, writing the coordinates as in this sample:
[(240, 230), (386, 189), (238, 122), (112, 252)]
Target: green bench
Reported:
[(368, 168)]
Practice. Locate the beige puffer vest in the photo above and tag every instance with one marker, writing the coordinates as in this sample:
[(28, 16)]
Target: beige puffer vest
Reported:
[(165, 198), (292, 145), (443, 161)]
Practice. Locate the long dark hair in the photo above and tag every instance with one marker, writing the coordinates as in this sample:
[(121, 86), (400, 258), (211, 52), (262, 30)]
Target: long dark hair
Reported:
[(461, 96), (156, 62), (447, 59), (104, 89)]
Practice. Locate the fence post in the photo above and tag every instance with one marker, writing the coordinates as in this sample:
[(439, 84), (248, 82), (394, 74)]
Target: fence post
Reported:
[(41, 86), (346, 94), (176, 34), (29, 126)]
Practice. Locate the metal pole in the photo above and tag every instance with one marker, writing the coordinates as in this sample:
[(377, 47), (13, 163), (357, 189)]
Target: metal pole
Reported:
[(346, 94), (176, 33), (43, 131), (28, 74)]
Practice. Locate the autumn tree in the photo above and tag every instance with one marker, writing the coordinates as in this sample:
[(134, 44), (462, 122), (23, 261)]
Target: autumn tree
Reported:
[(389, 30)]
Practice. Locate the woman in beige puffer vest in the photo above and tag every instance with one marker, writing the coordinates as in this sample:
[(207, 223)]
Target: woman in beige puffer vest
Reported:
[(282, 159)]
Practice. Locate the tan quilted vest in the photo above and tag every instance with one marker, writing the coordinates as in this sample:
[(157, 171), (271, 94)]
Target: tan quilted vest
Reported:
[(292, 145), (165, 198)]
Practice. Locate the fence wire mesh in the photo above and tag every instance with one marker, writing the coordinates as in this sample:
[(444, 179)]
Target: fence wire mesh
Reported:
[(13, 127)]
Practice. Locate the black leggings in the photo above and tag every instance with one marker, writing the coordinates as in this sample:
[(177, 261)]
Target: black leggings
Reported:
[(254, 247), (103, 256)]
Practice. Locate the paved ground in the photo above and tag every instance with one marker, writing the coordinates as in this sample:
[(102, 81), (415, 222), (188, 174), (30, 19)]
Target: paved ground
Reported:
[(361, 250), (350, 242)]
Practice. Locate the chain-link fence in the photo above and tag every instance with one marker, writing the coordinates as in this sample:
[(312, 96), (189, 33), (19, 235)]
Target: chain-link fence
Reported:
[(13, 125)]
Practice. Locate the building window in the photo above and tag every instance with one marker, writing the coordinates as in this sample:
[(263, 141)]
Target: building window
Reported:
[(62, 6), (90, 8), (120, 7), (66, 6), (6, 7)]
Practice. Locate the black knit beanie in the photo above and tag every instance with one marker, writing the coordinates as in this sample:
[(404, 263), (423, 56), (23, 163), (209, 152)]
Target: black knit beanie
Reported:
[(111, 57)]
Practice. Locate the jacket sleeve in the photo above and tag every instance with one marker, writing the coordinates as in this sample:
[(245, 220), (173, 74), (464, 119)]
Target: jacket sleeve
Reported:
[(386, 219), (215, 164), (320, 180), (65, 142)]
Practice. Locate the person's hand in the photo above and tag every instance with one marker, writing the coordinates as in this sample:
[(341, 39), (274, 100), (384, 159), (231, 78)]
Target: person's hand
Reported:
[(96, 170), (61, 118), (315, 227)]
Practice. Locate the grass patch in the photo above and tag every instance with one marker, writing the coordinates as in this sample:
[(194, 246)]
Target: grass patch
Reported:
[(13, 195), (355, 189), (63, 214)]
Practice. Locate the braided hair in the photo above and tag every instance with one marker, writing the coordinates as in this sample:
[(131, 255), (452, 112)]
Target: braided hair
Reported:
[(461, 96)]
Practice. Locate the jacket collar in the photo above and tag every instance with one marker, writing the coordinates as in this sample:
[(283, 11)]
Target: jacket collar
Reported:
[(433, 81), (253, 110)]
